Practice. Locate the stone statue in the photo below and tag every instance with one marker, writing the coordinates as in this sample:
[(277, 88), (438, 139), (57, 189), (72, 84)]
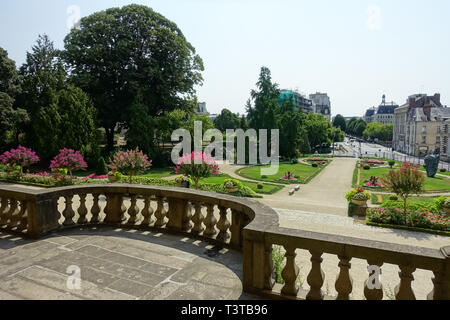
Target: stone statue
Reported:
[(432, 163)]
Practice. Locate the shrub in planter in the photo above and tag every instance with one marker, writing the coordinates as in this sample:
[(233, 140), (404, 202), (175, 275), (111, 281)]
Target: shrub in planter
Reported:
[(391, 163), (197, 166), (357, 194), (366, 167), (260, 186), (443, 170), (130, 163), (315, 165), (232, 185), (68, 159), (264, 177), (393, 198), (22, 157)]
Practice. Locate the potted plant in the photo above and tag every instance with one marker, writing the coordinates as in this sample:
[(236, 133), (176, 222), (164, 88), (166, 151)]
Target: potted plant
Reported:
[(183, 182), (232, 185), (114, 176), (446, 205), (358, 196), (197, 166)]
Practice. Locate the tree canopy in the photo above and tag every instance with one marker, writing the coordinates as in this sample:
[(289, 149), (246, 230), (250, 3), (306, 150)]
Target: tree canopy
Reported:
[(120, 53), (339, 122), (227, 120)]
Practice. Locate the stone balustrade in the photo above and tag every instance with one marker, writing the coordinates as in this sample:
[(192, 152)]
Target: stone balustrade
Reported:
[(239, 223)]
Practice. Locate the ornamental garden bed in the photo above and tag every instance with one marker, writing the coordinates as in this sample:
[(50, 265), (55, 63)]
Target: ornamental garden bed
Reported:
[(302, 173), (413, 220), (436, 184)]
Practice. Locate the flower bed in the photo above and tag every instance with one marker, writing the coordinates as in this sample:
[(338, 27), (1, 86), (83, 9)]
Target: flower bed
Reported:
[(421, 219), (374, 162)]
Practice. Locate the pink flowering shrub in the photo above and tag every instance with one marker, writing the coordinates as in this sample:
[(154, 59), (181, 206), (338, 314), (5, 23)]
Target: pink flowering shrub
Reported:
[(68, 159), (418, 219), (286, 178), (197, 166), (130, 163), (21, 156)]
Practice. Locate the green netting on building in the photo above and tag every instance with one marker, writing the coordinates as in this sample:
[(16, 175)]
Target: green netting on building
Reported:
[(286, 96)]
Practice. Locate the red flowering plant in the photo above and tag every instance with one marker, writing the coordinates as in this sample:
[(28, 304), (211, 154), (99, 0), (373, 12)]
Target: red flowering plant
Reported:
[(130, 163), (197, 166), (404, 182), (68, 160), (21, 157)]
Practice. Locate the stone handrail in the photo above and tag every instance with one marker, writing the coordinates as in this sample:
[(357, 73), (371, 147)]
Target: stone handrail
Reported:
[(243, 224)]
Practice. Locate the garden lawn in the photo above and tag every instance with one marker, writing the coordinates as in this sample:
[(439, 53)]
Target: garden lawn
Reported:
[(436, 184), (267, 188), (304, 173)]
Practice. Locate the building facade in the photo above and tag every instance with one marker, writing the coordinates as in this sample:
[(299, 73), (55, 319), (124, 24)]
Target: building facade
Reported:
[(421, 126), (383, 114), (321, 104), (299, 100)]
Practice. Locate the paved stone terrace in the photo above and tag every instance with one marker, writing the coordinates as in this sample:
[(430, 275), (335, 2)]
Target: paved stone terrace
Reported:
[(119, 265)]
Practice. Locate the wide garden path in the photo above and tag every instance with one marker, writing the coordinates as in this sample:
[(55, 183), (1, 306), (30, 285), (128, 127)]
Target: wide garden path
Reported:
[(324, 194)]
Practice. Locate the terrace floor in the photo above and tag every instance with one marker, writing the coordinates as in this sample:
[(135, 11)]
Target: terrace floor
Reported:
[(117, 264)]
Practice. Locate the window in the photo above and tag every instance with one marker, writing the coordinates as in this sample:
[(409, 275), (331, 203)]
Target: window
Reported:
[(424, 139), (424, 129)]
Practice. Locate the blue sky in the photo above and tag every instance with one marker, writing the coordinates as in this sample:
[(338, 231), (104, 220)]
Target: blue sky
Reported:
[(355, 50)]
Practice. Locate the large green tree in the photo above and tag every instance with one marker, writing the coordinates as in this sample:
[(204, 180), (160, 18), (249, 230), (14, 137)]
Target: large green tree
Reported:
[(62, 115), (227, 120), (12, 118), (119, 53), (318, 129), (339, 122), (380, 131), (262, 113)]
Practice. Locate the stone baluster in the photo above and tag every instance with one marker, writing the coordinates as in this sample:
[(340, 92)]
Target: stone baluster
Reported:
[(133, 210), (344, 282), (269, 281), (316, 276), (18, 214), (23, 216), (95, 210), (210, 221), (223, 225), (115, 208), (160, 213), (12, 210), (441, 280), (198, 219), (237, 224), (82, 209), (3, 210), (290, 273), (373, 289), (147, 212), (68, 212), (404, 291)]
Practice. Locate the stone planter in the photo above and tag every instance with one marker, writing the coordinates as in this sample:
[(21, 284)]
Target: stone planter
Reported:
[(232, 190), (112, 178), (359, 202), (446, 210)]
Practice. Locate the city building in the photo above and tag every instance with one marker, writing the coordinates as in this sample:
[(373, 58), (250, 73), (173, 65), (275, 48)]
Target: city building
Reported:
[(299, 100), (321, 104), (202, 108), (383, 114), (421, 126)]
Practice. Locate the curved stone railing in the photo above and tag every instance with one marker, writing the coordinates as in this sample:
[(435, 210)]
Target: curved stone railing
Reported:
[(239, 223)]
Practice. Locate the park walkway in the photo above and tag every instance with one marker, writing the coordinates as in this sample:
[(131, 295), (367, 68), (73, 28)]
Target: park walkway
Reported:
[(324, 194)]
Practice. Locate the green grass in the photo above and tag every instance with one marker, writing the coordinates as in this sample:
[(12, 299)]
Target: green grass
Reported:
[(304, 173), (436, 184), (159, 173), (267, 188)]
